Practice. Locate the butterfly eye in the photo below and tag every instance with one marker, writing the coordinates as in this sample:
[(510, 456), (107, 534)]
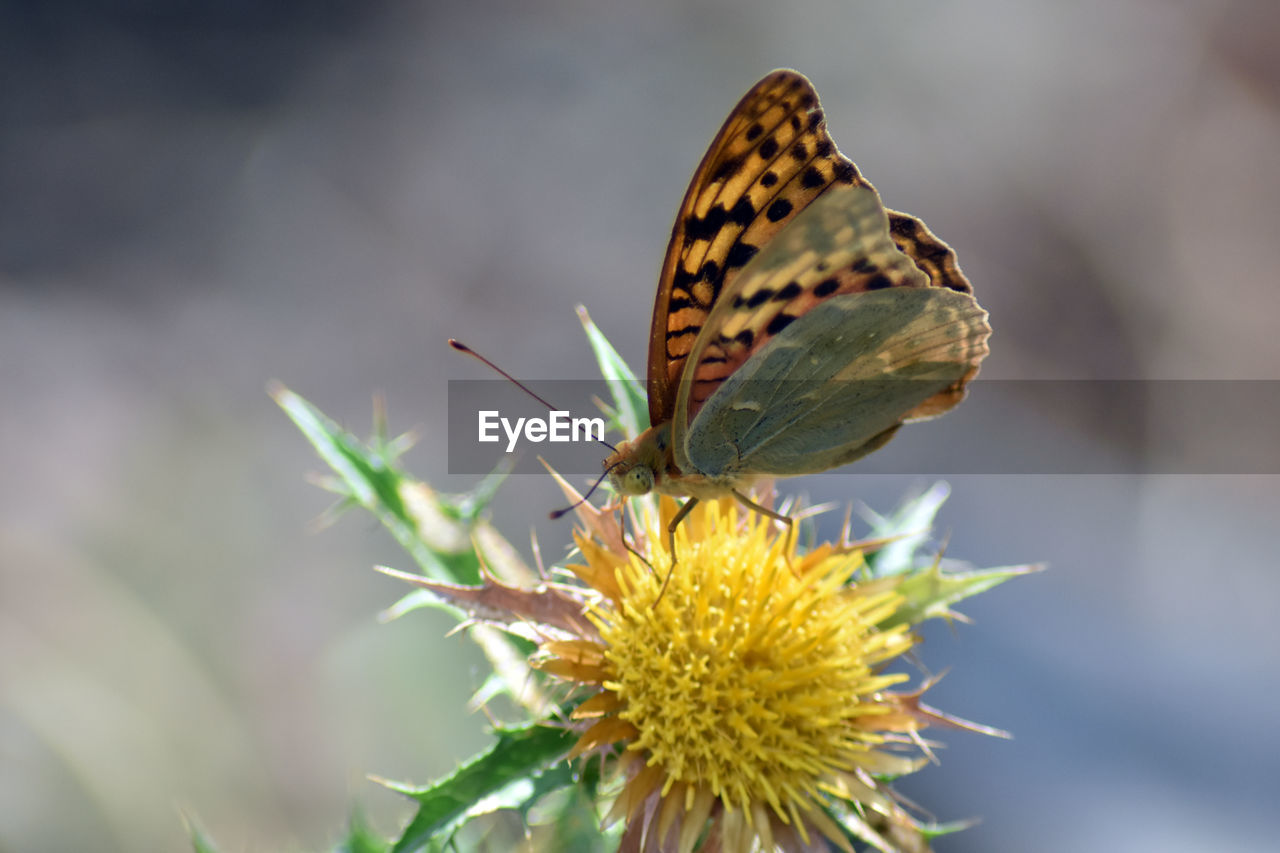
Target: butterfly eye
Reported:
[(638, 481)]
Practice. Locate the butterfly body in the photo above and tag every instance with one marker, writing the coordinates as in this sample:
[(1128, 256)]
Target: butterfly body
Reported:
[(798, 324), (647, 464)]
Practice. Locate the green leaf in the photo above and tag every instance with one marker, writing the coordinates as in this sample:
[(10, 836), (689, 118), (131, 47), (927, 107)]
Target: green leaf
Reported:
[(369, 479), (630, 403), (507, 776), (473, 503), (416, 599), (909, 526), (930, 592), (366, 476), (567, 818)]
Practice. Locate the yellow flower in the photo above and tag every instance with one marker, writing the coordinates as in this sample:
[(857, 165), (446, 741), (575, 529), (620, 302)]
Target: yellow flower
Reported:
[(743, 697)]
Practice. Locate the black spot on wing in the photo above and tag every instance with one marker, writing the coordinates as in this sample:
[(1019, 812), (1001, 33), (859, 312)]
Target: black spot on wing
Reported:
[(753, 132), (768, 179), (914, 243), (682, 281), (742, 213), (778, 210), (826, 287), (779, 322), (769, 148), (786, 294), (739, 255), (901, 226), (812, 178), (880, 281), (727, 169), (705, 227), (687, 331), (756, 299)]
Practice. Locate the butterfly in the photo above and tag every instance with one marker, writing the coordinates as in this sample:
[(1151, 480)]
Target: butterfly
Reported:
[(798, 323)]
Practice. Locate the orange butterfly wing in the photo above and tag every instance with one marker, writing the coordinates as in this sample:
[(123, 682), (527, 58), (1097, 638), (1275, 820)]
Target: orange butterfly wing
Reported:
[(771, 159)]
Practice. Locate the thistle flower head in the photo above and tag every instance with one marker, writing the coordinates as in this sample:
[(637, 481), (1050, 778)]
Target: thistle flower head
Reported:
[(750, 692)]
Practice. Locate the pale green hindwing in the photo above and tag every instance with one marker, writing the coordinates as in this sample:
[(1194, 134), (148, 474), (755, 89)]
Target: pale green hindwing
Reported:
[(825, 390)]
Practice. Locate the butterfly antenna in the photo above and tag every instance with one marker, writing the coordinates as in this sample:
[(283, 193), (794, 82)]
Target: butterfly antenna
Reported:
[(580, 501), (461, 347)]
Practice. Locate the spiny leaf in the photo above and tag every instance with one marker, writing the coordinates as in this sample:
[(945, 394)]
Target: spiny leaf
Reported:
[(495, 602), (629, 401), (412, 512), (908, 527), (930, 592), (505, 776)]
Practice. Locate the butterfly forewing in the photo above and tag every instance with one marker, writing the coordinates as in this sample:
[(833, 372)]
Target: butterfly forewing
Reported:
[(840, 244), (770, 160)]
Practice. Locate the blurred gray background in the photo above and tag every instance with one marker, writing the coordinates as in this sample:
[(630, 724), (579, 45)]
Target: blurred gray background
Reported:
[(197, 198)]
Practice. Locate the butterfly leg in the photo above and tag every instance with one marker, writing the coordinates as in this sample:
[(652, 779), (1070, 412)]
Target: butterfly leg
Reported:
[(776, 516), (643, 559), (623, 532), (684, 510)]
